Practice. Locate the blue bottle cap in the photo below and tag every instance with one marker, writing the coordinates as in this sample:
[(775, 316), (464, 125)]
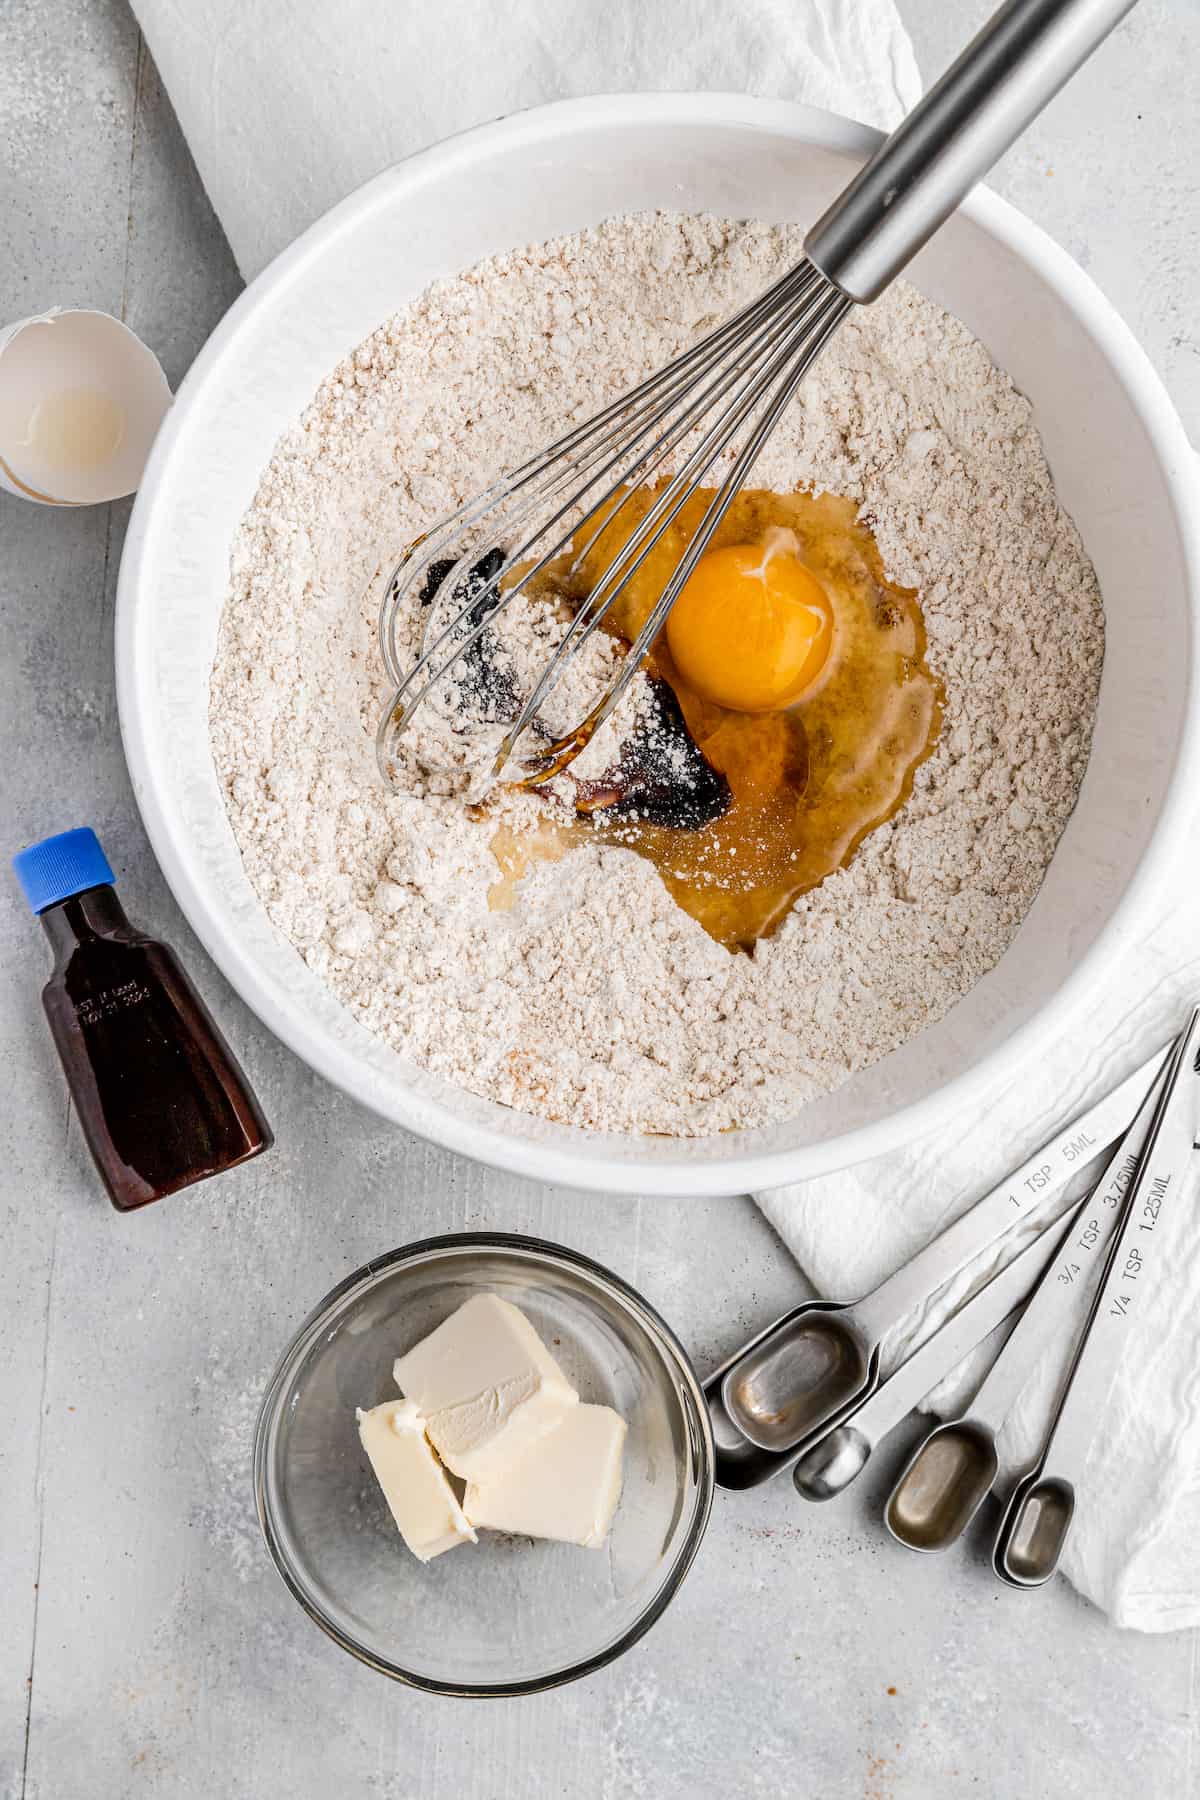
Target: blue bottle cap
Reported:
[(61, 866)]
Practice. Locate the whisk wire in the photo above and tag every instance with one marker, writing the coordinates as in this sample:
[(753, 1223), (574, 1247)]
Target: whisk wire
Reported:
[(645, 408), (478, 610), (651, 527), (740, 376), (788, 371), (714, 513), (676, 377), (888, 210)]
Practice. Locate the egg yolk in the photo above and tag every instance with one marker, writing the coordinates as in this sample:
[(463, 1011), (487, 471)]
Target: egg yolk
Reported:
[(752, 627)]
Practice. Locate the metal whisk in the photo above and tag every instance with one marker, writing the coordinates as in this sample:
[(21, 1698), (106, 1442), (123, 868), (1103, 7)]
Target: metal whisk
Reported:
[(714, 406)]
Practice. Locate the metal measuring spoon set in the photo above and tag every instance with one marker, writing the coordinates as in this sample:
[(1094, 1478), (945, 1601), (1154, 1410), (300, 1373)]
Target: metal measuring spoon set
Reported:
[(806, 1394)]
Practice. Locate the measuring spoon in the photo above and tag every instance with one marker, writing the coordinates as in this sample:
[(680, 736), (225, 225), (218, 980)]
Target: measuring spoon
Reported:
[(819, 1362), (950, 1474), (1037, 1519), (840, 1456)]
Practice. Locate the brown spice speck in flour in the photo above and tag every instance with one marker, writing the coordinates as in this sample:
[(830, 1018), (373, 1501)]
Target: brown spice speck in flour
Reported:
[(596, 1000)]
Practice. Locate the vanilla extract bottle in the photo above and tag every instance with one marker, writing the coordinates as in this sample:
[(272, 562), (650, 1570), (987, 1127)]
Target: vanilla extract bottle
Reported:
[(161, 1099)]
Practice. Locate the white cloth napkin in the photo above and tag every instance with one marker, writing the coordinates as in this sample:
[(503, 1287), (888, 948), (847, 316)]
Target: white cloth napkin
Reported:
[(1133, 1546), (288, 108)]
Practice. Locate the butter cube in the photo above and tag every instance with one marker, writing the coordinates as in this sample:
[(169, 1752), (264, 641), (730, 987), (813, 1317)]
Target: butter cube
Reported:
[(487, 1385), (414, 1483), (568, 1490)]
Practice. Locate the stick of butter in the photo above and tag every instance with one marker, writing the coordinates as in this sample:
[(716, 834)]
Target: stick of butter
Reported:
[(568, 1490), (414, 1483), (487, 1385)]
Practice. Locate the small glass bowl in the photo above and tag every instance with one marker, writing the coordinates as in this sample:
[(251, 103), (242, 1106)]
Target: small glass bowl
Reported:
[(509, 1615)]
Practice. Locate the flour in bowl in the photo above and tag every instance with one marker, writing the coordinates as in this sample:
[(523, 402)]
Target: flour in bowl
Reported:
[(594, 999)]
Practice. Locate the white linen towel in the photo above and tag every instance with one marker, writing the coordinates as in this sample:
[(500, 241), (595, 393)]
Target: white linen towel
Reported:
[(287, 108), (1133, 1545)]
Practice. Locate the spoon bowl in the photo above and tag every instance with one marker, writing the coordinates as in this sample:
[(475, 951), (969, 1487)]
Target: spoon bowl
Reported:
[(832, 1464), (1035, 1530), (943, 1486), (809, 1369)]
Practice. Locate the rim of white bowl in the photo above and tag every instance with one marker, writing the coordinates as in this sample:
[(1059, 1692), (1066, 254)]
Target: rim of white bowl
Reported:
[(576, 1164), (533, 1250)]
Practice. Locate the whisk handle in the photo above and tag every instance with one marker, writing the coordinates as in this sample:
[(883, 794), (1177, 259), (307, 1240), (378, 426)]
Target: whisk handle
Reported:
[(1002, 80)]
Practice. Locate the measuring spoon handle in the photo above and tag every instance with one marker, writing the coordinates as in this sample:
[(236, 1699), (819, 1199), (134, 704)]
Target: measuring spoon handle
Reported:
[(945, 1348), (1086, 1241), (1156, 1184), (1045, 1172)]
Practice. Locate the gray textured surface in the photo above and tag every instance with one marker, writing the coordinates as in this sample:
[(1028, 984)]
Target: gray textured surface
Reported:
[(146, 1646)]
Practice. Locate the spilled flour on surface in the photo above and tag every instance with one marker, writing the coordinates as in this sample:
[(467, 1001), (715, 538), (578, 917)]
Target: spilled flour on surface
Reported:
[(595, 1000)]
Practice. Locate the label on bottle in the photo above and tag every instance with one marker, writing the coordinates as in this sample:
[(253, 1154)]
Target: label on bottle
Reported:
[(97, 1007)]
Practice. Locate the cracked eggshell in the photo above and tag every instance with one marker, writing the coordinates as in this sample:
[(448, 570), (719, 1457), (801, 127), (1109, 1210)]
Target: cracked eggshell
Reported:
[(81, 399)]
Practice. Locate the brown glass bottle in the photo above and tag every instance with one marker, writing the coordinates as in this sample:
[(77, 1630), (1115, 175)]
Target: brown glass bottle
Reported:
[(159, 1094)]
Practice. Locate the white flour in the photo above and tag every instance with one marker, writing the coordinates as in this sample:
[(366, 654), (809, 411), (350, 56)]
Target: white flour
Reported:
[(596, 1000)]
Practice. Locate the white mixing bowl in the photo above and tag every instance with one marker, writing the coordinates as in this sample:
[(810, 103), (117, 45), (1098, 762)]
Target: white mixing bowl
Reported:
[(1120, 459)]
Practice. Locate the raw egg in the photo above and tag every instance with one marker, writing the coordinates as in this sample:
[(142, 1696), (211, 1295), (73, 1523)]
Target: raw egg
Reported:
[(799, 682), (751, 629)]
